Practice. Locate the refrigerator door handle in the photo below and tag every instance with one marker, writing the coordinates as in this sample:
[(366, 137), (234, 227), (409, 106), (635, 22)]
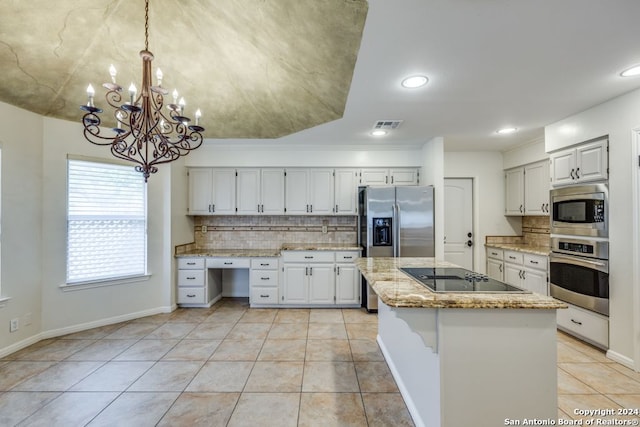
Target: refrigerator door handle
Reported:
[(398, 214)]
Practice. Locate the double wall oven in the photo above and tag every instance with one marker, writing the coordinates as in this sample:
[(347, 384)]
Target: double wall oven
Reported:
[(579, 260)]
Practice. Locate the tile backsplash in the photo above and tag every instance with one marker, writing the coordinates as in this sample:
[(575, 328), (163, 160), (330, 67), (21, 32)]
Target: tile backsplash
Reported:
[(535, 230), (271, 232)]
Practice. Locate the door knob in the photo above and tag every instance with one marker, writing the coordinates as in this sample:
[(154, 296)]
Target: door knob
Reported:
[(469, 243)]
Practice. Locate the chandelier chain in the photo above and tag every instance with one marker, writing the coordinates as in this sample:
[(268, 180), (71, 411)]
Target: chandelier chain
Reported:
[(146, 25)]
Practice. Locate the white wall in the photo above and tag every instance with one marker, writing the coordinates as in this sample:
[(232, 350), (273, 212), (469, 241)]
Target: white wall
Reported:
[(21, 275), (527, 153), (485, 168), (617, 118), (73, 310)]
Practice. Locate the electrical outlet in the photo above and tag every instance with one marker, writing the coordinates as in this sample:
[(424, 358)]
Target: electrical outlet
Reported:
[(203, 229), (324, 229), (27, 319), (13, 325)]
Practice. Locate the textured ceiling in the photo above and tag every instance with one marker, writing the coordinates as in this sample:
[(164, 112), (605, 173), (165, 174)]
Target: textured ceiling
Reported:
[(256, 68)]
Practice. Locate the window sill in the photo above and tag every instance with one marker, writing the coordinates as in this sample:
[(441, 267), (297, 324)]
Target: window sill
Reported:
[(79, 286), (3, 301)]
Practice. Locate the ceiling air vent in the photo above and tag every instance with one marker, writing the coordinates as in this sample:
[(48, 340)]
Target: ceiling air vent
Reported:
[(387, 124)]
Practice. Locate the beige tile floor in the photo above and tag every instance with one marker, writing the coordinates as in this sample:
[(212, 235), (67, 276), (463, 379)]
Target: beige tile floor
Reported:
[(234, 366)]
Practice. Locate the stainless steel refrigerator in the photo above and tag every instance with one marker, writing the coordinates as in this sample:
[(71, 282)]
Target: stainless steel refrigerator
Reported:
[(394, 222)]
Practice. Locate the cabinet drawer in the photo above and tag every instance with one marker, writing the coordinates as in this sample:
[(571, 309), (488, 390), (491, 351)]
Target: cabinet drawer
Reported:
[(495, 253), (191, 296), (308, 256), (264, 278), (264, 263), (193, 278), (228, 262), (587, 324), (347, 256), (535, 261), (191, 263), (261, 295), (513, 257)]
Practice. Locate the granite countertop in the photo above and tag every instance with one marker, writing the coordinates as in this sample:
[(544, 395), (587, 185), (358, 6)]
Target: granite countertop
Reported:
[(521, 247), (396, 289), (269, 252)]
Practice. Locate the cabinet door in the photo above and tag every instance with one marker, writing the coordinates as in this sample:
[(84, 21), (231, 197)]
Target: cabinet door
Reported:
[(321, 191), (322, 284), (295, 284), (346, 191), (272, 192), (248, 191), (347, 284), (513, 274), (591, 161), (200, 191), (224, 192), (514, 192), (374, 177), (404, 176), (536, 188), (296, 185), (535, 281), (495, 269), (563, 166)]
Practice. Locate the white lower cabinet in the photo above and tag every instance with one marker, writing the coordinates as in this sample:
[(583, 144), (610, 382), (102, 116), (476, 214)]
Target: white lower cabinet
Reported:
[(264, 281), (590, 326), (495, 264), (320, 278), (192, 289), (526, 271)]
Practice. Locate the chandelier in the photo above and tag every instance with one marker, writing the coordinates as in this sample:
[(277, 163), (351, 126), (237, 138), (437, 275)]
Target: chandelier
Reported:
[(144, 134)]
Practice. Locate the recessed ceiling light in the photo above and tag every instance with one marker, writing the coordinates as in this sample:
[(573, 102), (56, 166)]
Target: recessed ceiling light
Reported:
[(630, 72), (414, 82), (379, 132), (505, 131)]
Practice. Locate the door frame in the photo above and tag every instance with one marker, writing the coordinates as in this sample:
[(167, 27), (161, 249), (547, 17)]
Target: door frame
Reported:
[(635, 147), (475, 256)]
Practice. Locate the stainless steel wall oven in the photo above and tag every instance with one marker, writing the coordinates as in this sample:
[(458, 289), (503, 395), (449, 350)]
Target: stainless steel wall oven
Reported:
[(579, 272)]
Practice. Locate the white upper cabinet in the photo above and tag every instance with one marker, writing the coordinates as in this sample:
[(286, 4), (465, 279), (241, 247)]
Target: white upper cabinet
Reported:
[(260, 191), (536, 188), (309, 191), (527, 189), (383, 176), (514, 191), (212, 191), (584, 163), (346, 191)]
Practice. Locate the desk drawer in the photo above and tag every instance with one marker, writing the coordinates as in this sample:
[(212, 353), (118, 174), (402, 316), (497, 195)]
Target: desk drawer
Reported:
[(264, 295), (191, 296), (228, 262), (191, 278), (264, 263), (191, 263), (263, 278), (308, 256)]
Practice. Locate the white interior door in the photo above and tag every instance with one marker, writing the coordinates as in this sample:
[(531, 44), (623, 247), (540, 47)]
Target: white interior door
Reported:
[(458, 221)]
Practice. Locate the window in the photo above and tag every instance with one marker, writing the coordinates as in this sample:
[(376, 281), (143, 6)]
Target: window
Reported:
[(106, 222)]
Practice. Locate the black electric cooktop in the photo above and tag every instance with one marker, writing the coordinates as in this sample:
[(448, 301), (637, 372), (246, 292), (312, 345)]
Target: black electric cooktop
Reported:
[(459, 280)]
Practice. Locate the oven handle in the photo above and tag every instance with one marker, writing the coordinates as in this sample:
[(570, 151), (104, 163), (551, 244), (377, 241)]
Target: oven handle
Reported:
[(602, 266)]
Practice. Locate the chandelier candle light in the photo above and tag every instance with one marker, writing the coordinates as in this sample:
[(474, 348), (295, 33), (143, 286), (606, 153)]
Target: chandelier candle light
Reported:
[(144, 134)]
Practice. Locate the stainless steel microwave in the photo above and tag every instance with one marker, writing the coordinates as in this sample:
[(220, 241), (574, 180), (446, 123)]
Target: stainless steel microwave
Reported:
[(580, 210)]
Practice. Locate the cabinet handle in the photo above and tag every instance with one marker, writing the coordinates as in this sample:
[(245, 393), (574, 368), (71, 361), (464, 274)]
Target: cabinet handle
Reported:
[(191, 263), (307, 208), (386, 179), (209, 207), (534, 262), (306, 271), (347, 257), (310, 271), (264, 296), (311, 208), (542, 207), (191, 278), (228, 263), (336, 211), (576, 322), (258, 208), (500, 268), (523, 276), (262, 208), (213, 208), (308, 257), (392, 179), (338, 271), (571, 173), (577, 176), (494, 253), (520, 208), (191, 295), (264, 278), (264, 264), (512, 257)]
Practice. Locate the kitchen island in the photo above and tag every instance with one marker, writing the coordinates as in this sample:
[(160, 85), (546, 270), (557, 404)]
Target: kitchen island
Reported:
[(465, 359)]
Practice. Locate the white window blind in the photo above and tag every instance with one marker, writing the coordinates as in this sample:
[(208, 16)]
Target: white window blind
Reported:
[(106, 222)]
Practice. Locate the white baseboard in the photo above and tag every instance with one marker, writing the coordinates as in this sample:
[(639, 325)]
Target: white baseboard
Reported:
[(53, 333), (623, 360)]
